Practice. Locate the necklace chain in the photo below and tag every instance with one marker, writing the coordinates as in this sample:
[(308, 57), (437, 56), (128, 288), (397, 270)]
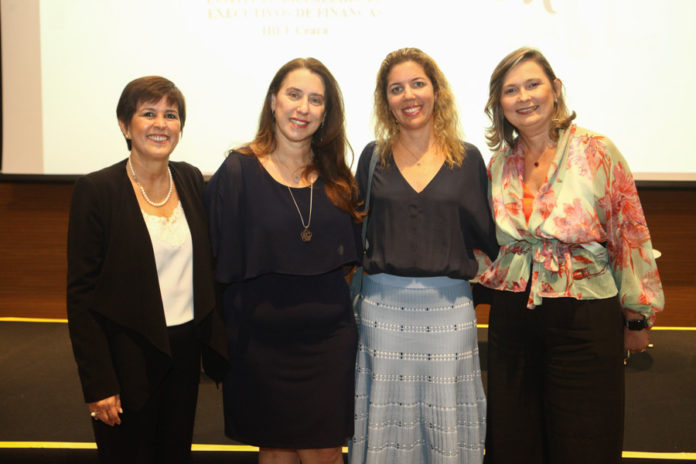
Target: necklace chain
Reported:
[(142, 189), (412, 155), (294, 173), (306, 234)]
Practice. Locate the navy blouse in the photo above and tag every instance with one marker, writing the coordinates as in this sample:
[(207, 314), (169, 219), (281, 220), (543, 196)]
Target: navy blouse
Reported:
[(431, 233), (255, 226)]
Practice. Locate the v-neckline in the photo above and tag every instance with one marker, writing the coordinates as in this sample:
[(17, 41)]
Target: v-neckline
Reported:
[(430, 181)]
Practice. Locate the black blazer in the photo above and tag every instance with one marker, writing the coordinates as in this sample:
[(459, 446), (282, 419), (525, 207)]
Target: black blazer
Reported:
[(115, 312)]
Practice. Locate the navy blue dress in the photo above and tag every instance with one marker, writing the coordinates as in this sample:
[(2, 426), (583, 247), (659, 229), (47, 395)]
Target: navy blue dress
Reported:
[(290, 326)]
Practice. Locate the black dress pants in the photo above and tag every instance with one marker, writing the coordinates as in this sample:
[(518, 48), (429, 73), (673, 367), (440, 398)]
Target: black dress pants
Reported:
[(162, 431), (555, 381)]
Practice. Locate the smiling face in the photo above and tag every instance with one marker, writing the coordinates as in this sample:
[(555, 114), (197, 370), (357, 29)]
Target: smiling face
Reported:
[(153, 130), (410, 95), (528, 96), (298, 106)]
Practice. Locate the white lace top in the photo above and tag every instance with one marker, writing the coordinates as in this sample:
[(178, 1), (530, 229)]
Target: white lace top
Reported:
[(171, 242)]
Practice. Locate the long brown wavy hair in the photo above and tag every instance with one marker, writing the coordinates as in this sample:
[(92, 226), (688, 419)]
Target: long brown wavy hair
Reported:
[(329, 143)]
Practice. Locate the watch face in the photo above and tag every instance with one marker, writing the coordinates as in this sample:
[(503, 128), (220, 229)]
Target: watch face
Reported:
[(638, 324)]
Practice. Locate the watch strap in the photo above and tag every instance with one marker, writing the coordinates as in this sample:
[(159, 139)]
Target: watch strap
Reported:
[(636, 324)]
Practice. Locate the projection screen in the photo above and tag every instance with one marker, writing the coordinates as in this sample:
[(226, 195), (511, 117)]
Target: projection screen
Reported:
[(627, 66)]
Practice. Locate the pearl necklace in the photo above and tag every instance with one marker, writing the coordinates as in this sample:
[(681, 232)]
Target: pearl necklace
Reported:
[(142, 189)]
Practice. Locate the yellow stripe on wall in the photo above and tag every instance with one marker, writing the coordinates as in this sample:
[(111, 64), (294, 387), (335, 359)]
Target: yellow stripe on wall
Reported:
[(32, 319), (253, 449), (63, 321)]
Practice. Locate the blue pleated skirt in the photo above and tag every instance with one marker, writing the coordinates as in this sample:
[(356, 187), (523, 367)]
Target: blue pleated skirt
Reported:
[(419, 397)]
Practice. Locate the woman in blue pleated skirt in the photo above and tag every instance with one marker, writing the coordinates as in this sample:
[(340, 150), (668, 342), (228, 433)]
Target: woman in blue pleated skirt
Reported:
[(419, 395)]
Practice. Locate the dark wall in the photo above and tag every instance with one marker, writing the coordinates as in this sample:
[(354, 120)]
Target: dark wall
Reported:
[(33, 232), (33, 237)]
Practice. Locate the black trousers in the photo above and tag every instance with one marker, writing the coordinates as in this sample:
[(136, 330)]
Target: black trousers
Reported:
[(555, 381), (163, 430)]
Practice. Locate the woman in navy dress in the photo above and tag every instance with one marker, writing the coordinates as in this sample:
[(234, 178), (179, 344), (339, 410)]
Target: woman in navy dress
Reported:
[(283, 224)]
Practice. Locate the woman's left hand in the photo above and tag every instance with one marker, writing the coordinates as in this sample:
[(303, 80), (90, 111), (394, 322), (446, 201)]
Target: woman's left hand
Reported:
[(636, 340)]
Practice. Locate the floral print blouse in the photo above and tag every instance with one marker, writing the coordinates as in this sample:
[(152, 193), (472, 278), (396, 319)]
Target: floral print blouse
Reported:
[(586, 237)]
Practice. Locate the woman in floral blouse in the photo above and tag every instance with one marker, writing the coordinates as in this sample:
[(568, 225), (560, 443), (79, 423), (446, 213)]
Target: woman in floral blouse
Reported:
[(576, 281)]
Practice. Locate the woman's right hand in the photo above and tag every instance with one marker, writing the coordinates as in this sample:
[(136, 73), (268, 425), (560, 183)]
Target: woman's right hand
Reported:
[(107, 410)]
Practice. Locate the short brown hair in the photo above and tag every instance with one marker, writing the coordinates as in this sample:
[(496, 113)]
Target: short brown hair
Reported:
[(145, 90), (501, 132)]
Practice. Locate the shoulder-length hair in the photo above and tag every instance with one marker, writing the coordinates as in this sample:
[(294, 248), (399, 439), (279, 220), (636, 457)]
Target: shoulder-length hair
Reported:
[(329, 143), (501, 132), (149, 89), (446, 128)]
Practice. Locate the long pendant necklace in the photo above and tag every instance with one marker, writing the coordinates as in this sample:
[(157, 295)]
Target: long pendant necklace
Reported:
[(306, 234), (142, 189)]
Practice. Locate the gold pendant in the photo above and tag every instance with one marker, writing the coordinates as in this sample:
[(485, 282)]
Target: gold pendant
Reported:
[(306, 235)]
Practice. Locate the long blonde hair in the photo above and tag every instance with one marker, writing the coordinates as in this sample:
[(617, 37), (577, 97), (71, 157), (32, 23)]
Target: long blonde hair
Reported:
[(445, 119)]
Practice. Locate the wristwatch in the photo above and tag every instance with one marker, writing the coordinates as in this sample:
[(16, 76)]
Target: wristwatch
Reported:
[(636, 324)]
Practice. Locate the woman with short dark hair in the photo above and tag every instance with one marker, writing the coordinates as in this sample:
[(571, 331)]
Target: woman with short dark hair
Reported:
[(140, 294)]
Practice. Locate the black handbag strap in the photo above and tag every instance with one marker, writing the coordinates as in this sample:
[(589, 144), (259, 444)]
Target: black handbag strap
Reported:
[(373, 162)]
